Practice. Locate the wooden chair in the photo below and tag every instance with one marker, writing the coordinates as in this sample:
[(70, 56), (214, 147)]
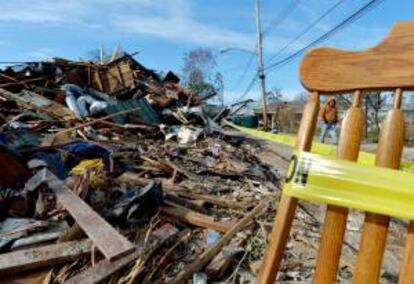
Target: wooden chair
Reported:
[(388, 66)]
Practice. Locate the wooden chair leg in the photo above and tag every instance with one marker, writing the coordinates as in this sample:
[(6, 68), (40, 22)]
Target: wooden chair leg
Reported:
[(375, 228), (335, 219), (407, 269), (286, 210)]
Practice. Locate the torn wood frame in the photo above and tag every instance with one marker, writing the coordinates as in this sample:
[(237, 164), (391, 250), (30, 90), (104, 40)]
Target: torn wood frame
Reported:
[(105, 268), (109, 241), (49, 255)]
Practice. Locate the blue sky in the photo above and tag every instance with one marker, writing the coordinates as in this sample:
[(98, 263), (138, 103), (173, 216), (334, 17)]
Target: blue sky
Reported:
[(163, 30)]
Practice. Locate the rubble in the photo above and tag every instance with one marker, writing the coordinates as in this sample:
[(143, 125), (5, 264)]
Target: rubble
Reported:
[(112, 172), (145, 188)]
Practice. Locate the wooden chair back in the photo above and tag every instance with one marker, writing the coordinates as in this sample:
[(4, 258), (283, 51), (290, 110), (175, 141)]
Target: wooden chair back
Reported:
[(387, 66)]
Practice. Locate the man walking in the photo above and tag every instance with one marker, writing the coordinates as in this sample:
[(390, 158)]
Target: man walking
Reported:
[(329, 116)]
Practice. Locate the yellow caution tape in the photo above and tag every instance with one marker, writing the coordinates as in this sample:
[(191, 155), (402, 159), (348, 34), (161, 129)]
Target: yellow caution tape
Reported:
[(364, 158), (347, 184)]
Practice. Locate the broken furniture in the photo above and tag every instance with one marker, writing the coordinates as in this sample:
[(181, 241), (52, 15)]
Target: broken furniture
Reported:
[(135, 193), (388, 66)]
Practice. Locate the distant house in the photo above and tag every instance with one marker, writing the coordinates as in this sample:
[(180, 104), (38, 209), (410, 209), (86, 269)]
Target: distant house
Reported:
[(284, 116), (408, 110)]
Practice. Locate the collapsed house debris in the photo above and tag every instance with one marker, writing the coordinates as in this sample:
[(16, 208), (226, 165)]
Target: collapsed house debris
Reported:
[(109, 171)]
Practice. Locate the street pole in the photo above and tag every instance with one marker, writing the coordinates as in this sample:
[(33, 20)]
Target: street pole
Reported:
[(260, 65)]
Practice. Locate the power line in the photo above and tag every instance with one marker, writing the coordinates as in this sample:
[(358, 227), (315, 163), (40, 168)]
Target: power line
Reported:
[(356, 15), (307, 29), (281, 17), (352, 18), (246, 69), (249, 88)]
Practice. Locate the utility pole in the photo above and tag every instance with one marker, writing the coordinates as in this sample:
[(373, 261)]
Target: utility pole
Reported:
[(260, 65)]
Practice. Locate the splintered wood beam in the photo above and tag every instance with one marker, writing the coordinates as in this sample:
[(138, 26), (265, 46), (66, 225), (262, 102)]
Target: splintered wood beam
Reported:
[(216, 200), (197, 219), (206, 256), (32, 258), (31, 100), (221, 262), (105, 268), (109, 241)]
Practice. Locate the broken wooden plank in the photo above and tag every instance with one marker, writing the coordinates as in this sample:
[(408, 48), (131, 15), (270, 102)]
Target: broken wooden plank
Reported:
[(222, 261), (15, 82), (31, 100), (49, 255), (182, 236), (197, 219), (52, 232), (51, 139), (206, 256), (109, 241), (105, 268), (157, 164), (175, 201), (216, 200), (24, 230), (41, 276), (130, 177), (183, 171)]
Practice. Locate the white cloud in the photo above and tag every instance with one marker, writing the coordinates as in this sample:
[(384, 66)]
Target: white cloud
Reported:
[(176, 22), (181, 29), (38, 11), (173, 21)]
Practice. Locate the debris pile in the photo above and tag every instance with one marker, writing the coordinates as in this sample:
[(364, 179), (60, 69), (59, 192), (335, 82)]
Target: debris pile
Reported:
[(113, 172)]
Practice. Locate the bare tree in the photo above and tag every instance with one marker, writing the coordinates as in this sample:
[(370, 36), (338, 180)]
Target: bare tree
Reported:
[(302, 97), (274, 96), (344, 100), (376, 101), (200, 75)]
